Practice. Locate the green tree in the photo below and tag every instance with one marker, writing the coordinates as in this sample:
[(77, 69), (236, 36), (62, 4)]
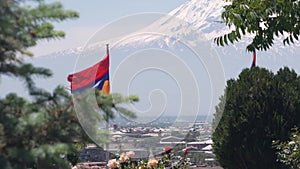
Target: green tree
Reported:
[(22, 24), (37, 133), (263, 19), (260, 107), (24, 123)]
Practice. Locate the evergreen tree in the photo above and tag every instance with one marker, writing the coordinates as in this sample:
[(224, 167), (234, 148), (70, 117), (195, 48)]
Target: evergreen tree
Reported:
[(260, 107), (38, 133), (22, 24)]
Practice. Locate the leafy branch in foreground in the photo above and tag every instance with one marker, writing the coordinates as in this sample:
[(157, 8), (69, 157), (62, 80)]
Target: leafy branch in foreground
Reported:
[(263, 19)]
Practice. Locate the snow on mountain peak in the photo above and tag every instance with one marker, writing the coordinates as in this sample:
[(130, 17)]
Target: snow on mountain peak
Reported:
[(195, 20), (202, 14)]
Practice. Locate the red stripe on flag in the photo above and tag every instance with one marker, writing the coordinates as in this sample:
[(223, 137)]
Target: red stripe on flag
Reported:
[(89, 75)]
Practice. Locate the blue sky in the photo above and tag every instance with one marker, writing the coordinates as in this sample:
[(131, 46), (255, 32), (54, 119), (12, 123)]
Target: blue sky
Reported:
[(96, 14)]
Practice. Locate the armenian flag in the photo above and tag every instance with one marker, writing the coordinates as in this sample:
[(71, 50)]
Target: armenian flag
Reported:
[(96, 76)]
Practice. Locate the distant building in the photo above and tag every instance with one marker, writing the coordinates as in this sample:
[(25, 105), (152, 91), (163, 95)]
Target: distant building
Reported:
[(204, 146)]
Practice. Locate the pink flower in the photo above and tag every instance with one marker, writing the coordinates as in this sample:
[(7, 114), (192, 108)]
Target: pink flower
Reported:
[(123, 158), (113, 164), (130, 154)]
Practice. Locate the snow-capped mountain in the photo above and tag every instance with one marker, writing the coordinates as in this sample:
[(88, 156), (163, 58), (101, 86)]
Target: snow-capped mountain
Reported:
[(195, 21), (199, 19)]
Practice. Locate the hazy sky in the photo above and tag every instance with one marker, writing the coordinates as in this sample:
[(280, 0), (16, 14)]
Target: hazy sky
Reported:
[(94, 15)]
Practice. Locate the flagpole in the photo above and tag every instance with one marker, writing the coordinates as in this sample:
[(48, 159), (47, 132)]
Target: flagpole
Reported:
[(107, 123), (107, 143)]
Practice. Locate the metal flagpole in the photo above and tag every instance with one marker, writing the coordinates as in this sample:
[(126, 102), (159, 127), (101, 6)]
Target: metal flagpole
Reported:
[(107, 123), (107, 144)]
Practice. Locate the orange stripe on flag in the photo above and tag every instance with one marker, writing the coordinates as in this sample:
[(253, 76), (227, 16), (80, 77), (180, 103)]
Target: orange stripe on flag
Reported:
[(106, 87)]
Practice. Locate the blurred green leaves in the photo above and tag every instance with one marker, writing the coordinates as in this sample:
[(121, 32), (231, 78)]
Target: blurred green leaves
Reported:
[(262, 20), (22, 25), (41, 132)]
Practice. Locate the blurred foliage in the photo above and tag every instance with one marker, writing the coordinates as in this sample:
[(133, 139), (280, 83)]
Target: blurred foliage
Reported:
[(95, 108), (289, 151), (260, 107), (40, 132), (37, 134), (265, 20), (22, 24)]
